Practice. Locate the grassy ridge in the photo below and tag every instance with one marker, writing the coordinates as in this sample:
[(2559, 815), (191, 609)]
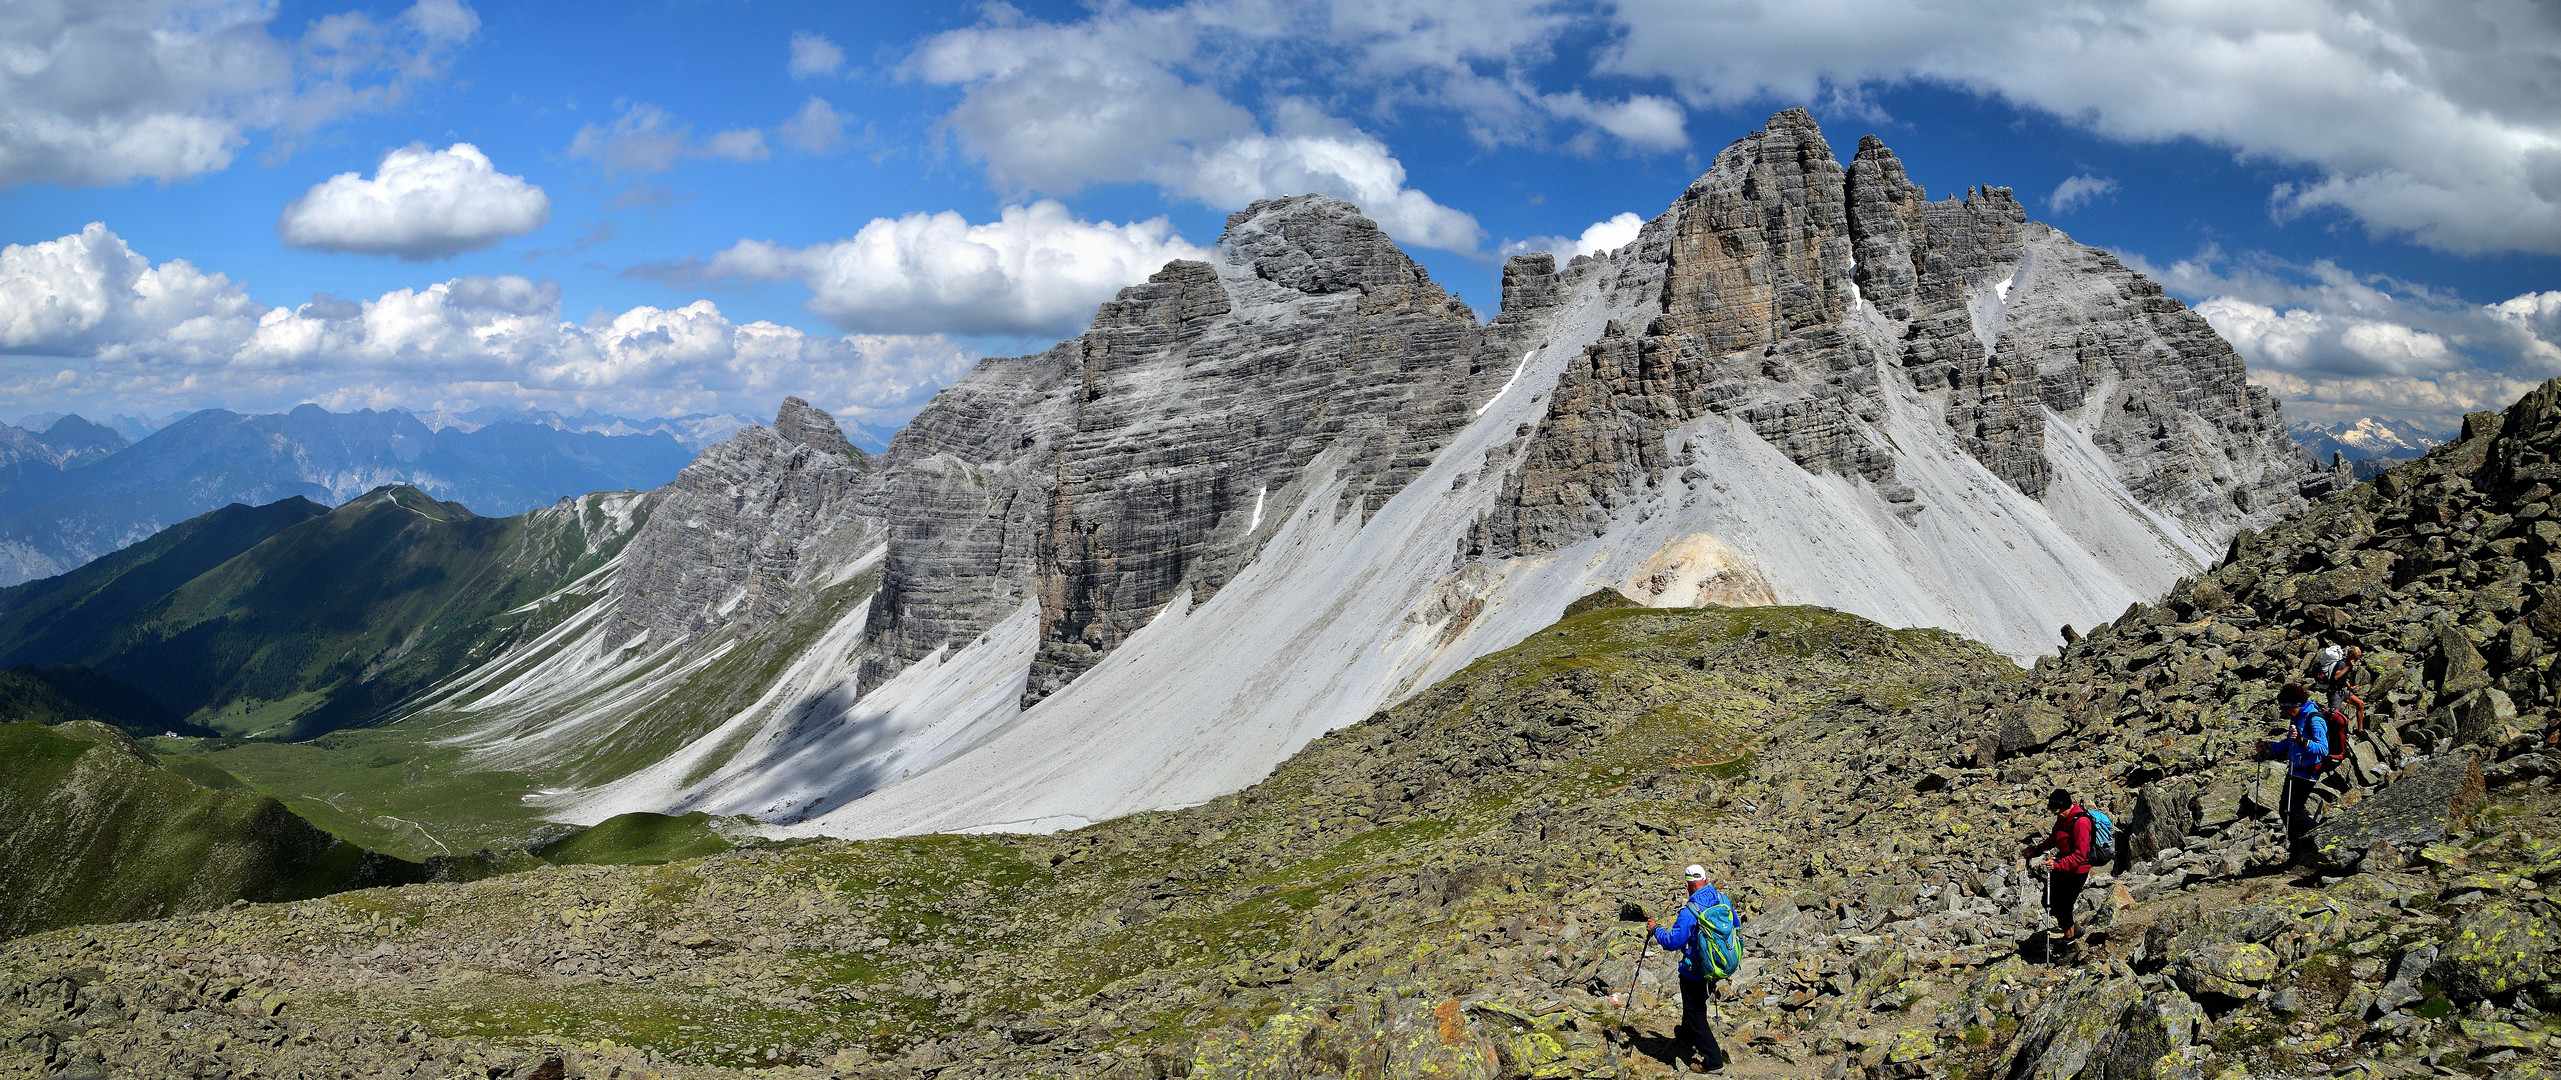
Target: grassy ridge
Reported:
[(66, 692), (1536, 788), (638, 839), (93, 830), (289, 621), (80, 614)]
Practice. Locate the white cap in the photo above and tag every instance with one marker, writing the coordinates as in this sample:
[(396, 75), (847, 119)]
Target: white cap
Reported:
[(1695, 872)]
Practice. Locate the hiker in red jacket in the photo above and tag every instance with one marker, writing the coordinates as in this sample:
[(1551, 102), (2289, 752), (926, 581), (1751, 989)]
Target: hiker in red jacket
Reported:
[(2069, 867)]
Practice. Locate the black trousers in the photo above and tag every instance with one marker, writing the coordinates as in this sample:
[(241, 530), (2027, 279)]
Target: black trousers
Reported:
[(2298, 813), (1694, 1022), (2063, 890)]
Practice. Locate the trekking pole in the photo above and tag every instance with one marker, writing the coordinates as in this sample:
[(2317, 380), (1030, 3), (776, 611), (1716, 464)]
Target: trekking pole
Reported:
[(1629, 912), (1626, 1007), (2285, 814), (2045, 908)]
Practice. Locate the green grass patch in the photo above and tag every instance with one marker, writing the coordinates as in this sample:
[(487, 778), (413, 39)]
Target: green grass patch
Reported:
[(389, 789), (92, 829), (638, 839)]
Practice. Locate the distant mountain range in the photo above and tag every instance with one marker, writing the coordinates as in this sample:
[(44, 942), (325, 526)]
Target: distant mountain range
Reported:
[(76, 490), (1265, 495), (296, 618), (132, 428), (2371, 444), (695, 430)]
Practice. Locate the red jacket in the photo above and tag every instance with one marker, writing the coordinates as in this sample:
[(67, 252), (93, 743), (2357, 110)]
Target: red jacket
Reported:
[(2071, 841)]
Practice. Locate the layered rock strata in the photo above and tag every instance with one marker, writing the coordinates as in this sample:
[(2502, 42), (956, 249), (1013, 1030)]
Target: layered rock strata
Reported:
[(1286, 486), (1792, 289), (1136, 463), (737, 534)]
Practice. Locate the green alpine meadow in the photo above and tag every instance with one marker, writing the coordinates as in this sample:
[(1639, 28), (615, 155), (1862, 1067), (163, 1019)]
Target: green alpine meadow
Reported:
[(1219, 540), (1434, 890)]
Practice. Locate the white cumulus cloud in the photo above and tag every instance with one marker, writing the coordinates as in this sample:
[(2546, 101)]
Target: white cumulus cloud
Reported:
[(419, 204), (99, 322), (1037, 269), (2338, 346), (113, 90), (1314, 153), (1056, 107), (87, 293), (1643, 121), (817, 127), (644, 139), (813, 55), (1610, 235), (1150, 95), (2076, 192), (2441, 122)]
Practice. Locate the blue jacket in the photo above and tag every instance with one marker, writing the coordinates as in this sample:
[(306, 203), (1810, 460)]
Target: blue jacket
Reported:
[(1676, 937), (2307, 747)]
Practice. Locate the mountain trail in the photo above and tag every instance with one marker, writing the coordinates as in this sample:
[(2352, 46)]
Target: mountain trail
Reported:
[(1433, 892)]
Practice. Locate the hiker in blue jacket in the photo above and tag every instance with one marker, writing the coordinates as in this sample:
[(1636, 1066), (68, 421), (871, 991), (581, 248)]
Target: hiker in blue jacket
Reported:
[(2306, 750), (1697, 936)]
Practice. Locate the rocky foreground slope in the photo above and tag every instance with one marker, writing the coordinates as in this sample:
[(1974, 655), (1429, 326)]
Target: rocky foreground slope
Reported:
[(1267, 494), (1432, 892)]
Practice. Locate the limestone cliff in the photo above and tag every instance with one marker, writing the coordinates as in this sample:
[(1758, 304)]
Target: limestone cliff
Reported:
[(1268, 493), (1793, 290), (738, 530), (1134, 464)]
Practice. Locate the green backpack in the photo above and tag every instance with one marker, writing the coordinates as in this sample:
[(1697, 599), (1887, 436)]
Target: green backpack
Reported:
[(1713, 949)]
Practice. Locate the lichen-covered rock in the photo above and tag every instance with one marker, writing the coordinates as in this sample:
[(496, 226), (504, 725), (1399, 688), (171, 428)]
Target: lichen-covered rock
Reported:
[(2161, 821), (2227, 969), (2497, 949), (2457, 667), (2404, 815), (2076, 1033)]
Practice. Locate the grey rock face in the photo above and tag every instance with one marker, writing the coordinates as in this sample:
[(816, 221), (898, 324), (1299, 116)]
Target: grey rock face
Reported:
[(737, 530), (1790, 288), (1307, 372), (2418, 809), (964, 494), (1150, 457)]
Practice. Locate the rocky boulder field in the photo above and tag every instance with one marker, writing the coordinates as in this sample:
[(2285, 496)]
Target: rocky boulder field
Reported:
[(1434, 892)]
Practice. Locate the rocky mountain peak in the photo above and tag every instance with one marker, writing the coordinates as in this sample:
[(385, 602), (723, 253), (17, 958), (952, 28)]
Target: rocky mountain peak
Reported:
[(735, 535), (1529, 284), (80, 439), (1272, 491), (1760, 244), (799, 422), (1318, 244), (1813, 303)]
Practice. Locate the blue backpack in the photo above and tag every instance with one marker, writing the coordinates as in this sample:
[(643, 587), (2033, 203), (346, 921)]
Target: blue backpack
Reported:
[(1713, 950), (2102, 836)]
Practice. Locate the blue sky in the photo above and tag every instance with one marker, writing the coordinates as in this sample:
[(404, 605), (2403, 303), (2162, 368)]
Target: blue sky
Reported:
[(685, 205)]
